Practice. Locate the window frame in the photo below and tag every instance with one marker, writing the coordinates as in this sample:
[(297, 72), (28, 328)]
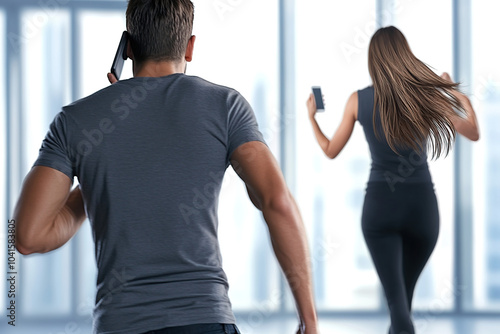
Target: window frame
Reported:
[(463, 179)]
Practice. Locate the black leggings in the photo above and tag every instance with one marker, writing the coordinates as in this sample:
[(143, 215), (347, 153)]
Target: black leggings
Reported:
[(400, 229)]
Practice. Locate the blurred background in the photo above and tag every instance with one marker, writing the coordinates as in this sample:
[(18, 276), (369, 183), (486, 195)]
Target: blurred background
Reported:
[(53, 52)]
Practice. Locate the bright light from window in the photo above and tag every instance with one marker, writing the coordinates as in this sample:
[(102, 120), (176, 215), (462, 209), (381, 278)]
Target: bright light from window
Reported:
[(331, 52), (3, 145), (98, 48), (227, 52), (486, 155), (45, 62)]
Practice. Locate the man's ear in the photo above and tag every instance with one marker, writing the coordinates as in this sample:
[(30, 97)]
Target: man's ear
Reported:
[(130, 54), (190, 48)]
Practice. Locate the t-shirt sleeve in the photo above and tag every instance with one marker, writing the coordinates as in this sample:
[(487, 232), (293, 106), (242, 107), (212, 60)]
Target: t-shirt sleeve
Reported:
[(242, 124), (54, 150)]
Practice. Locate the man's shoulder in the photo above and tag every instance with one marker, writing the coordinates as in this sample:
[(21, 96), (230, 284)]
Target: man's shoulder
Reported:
[(137, 85), (95, 99), (209, 85)]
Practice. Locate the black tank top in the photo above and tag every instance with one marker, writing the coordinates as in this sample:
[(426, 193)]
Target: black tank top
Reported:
[(406, 167)]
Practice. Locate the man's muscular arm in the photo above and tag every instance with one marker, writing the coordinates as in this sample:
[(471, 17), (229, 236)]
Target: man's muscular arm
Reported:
[(47, 213), (267, 189)]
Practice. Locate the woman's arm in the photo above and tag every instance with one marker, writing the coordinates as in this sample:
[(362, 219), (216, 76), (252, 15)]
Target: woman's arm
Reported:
[(467, 126), (334, 146)]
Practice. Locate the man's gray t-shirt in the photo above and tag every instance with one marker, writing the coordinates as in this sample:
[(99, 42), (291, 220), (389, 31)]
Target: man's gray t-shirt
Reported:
[(150, 155)]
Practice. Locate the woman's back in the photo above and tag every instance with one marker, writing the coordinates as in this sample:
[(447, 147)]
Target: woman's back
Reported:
[(416, 110), (409, 166)]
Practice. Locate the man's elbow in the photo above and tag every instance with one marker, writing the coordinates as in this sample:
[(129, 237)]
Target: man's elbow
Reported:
[(26, 245), (23, 245), (24, 250), (279, 202)]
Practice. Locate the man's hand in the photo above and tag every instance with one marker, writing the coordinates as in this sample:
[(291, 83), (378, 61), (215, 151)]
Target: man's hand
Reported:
[(112, 79), (303, 329), (255, 164)]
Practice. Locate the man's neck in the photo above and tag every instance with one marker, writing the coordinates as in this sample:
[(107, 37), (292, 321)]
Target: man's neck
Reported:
[(156, 69)]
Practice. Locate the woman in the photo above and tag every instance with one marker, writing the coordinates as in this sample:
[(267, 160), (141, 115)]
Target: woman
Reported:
[(407, 110)]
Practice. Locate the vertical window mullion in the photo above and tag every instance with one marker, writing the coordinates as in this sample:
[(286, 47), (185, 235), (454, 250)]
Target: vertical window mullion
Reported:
[(287, 109), (463, 161)]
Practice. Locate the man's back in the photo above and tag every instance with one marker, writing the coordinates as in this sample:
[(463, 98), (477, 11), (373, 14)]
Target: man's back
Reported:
[(150, 155)]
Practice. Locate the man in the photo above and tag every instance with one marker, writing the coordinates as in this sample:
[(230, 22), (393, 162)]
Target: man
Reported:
[(150, 154)]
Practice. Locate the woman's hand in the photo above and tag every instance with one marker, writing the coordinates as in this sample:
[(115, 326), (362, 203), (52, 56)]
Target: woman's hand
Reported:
[(468, 126), (446, 77), (311, 106)]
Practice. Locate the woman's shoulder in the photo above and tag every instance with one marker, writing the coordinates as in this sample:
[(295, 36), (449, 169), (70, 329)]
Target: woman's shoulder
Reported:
[(366, 95), (365, 104), (368, 89)]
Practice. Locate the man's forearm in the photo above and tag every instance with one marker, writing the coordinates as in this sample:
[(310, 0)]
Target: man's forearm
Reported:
[(290, 246), (70, 218)]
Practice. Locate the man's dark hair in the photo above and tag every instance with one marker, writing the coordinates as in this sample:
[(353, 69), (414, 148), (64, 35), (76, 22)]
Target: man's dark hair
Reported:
[(159, 30)]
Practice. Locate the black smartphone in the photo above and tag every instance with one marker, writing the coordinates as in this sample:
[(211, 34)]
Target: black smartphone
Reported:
[(120, 56), (318, 97)]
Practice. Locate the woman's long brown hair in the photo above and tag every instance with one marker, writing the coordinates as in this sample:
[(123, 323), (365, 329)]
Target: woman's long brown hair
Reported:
[(415, 104)]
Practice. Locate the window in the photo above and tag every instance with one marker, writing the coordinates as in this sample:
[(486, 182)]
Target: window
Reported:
[(331, 52), (45, 63), (230, 54), (485, 92), (64, 54), (3, 143), (97, 48), (331, 193)]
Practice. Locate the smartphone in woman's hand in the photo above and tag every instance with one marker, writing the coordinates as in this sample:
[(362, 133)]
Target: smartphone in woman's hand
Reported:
[(318, 97)]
